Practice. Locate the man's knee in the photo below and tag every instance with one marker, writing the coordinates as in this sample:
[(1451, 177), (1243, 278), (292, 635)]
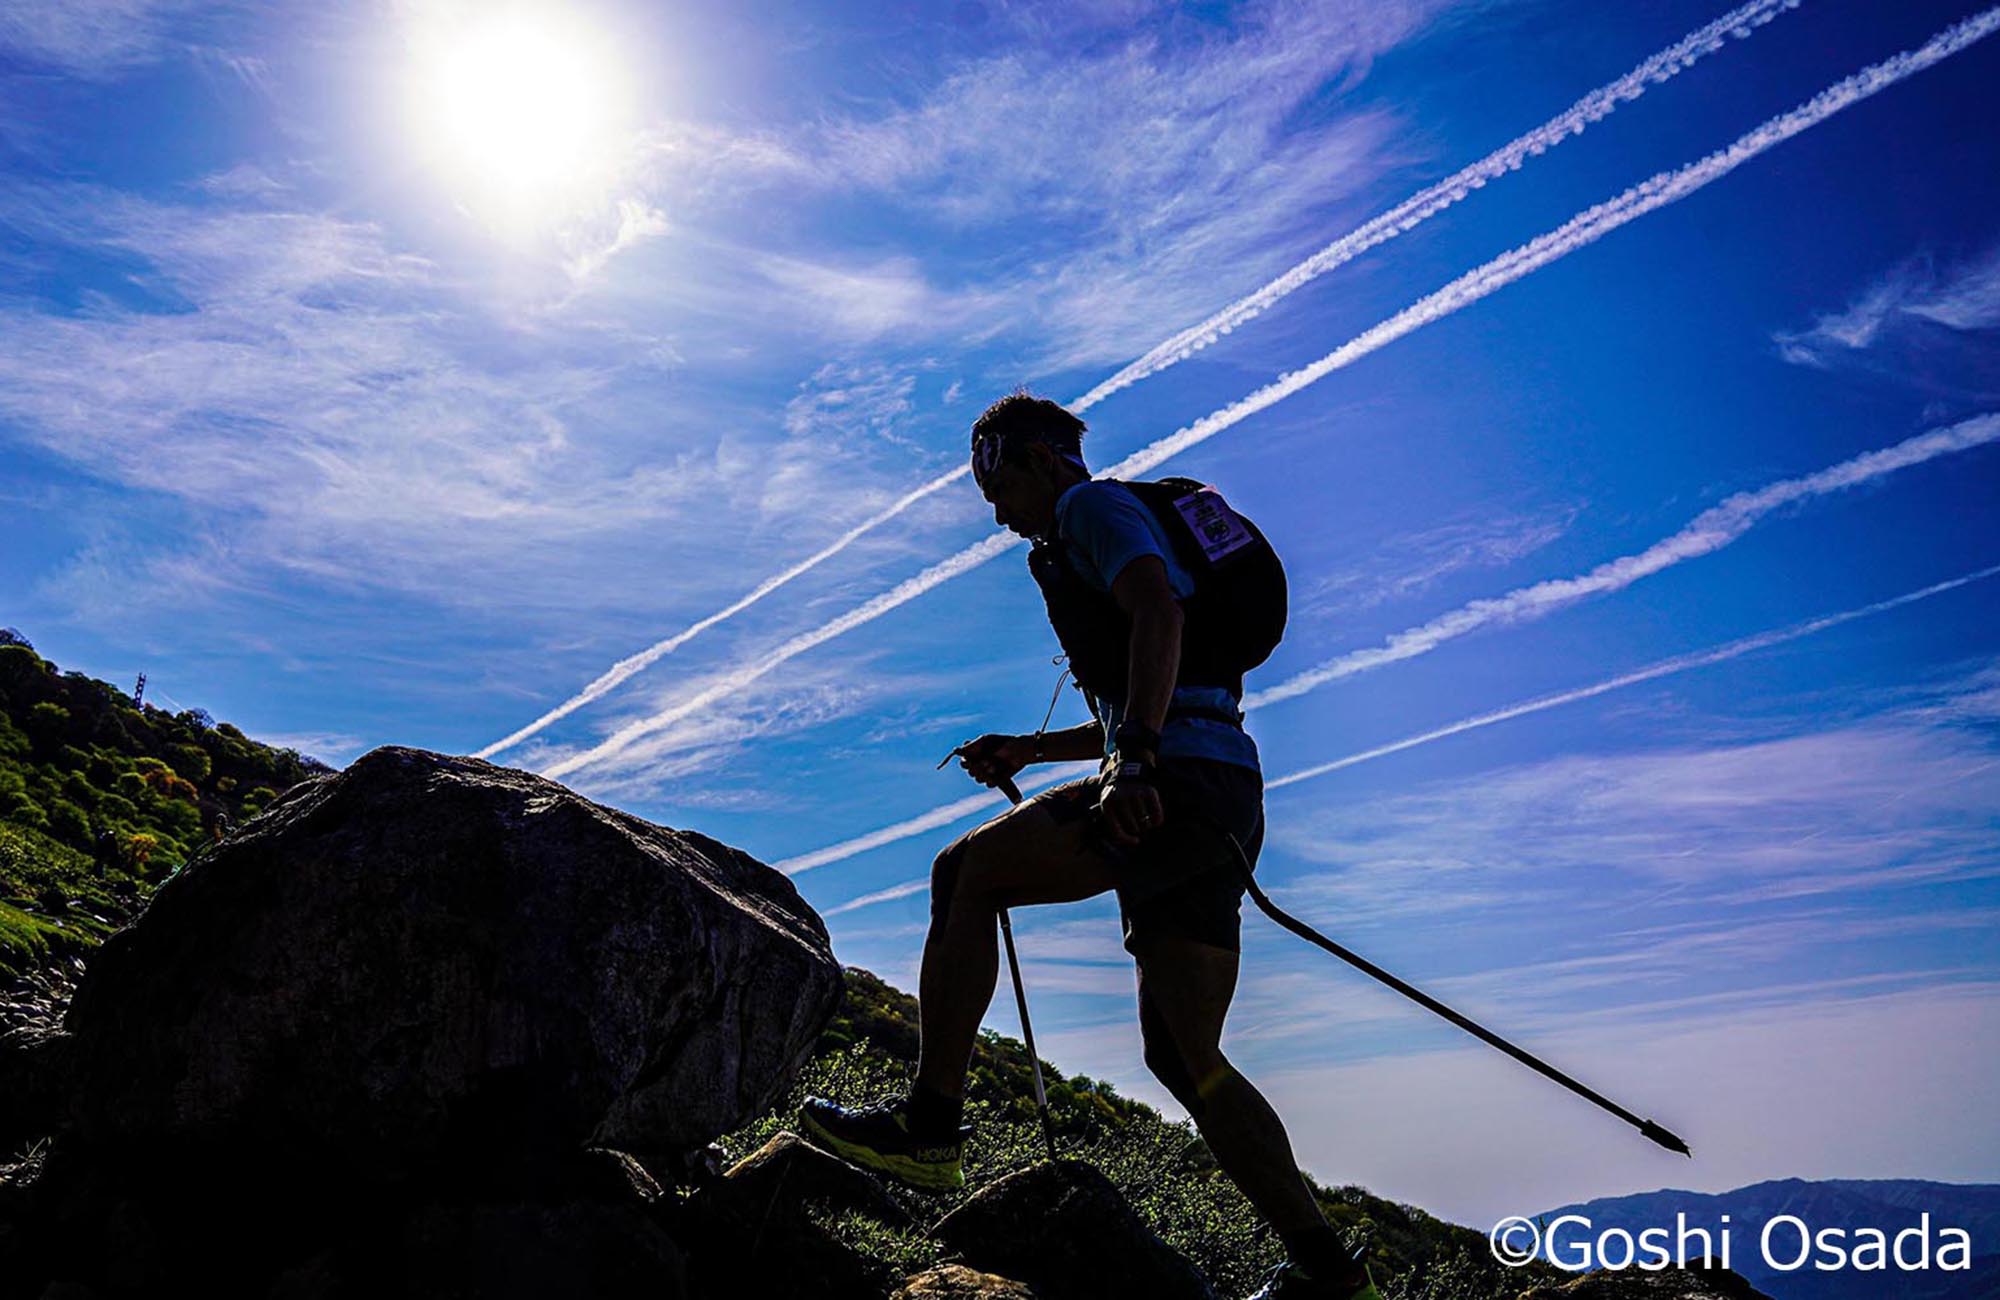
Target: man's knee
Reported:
[(946, 869)]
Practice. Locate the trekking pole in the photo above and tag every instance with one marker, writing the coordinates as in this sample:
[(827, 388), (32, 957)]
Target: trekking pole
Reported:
[(1645, 1126), (1007, 787), (1013, 793)]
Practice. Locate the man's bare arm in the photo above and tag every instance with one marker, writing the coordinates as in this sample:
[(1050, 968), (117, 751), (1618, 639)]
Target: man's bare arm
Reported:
[(1154, 662), (1071, 744)]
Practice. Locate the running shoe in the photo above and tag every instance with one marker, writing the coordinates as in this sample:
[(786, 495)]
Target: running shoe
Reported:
[(878, 1137)]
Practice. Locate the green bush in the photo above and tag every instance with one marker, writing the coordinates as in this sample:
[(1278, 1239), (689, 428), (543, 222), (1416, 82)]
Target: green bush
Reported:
[(26, 812), (116, 808), (191, 761), (76, 788), (13, 740), (47, 723), (69, 823), (20, 668)]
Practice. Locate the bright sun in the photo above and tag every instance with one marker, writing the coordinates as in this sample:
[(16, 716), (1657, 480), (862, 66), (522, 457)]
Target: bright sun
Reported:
[(521, 109)]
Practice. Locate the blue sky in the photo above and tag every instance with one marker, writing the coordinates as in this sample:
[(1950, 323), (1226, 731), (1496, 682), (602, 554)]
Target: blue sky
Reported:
[(361, 398)]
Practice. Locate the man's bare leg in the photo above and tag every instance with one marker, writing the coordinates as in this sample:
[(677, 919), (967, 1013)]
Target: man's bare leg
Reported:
[(1189, 985), (1026, 856)]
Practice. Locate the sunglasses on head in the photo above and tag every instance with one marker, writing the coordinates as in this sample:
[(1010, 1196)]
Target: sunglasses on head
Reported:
[(987, 453)]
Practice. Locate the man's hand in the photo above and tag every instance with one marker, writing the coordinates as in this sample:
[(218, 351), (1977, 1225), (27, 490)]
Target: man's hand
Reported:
[(1130, 809), (992, 759)]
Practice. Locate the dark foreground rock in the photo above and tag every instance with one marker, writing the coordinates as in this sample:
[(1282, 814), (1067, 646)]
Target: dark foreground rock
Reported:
[(424, 960), (1066, 1231), (1668, 1284), (365, 1044)]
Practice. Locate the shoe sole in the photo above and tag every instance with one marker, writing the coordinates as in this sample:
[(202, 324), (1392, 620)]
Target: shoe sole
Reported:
[(917, 1174)]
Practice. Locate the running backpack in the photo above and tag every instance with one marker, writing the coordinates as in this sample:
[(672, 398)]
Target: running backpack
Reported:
[(1231, 623)]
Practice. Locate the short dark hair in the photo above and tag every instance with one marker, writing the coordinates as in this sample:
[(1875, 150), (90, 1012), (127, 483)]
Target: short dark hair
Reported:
[(1020, 418)]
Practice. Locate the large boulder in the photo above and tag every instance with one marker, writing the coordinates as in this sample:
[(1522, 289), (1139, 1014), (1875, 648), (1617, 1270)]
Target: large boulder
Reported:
[(426, 965), (1065, 1230)]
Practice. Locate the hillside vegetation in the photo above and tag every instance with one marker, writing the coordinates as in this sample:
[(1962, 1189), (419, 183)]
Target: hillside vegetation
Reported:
[(100, 800)]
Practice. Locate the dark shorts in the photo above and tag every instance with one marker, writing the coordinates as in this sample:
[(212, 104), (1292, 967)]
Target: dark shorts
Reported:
[(1182, 880)]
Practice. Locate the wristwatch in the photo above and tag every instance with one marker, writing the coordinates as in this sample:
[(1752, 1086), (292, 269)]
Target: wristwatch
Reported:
[(1129, 771)]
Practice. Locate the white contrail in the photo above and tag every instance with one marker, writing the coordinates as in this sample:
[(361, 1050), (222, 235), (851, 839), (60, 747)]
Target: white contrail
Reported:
[(1425, 204), (736, 679), (1711, 530), (1663, 668), (1420, 207), (633, 664), (944, 815), (903, 890), (1579, 232), (1586, 228), (1677, 664)]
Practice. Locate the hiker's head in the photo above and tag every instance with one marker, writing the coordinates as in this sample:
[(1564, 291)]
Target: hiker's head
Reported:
[(1026, 451)]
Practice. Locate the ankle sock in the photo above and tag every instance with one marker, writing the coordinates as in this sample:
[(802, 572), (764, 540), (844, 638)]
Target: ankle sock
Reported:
[(934, 1115)]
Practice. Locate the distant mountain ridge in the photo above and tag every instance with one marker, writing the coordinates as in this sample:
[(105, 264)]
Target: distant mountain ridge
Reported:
[(1847, 1204)]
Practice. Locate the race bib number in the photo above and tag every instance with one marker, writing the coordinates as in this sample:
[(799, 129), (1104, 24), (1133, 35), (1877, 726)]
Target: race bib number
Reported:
[(1215, 526)]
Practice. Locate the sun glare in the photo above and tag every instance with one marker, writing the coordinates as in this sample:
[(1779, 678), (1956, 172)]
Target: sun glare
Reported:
[(520, 110)]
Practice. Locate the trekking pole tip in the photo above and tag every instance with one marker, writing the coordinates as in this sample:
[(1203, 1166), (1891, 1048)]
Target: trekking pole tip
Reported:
[(1665, 1139)]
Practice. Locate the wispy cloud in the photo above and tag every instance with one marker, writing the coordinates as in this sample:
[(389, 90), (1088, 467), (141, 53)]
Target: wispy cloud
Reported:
[(94, 38), (1407, 564), (333, 747), (631, 223), (305, 380), (1684, 867), (1963, 298), (1579, 232), (324, 407), (1707, 533), (858, 302)]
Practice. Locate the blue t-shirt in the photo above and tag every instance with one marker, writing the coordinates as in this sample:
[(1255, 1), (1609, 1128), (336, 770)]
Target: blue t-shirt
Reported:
[(1104, 528)]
